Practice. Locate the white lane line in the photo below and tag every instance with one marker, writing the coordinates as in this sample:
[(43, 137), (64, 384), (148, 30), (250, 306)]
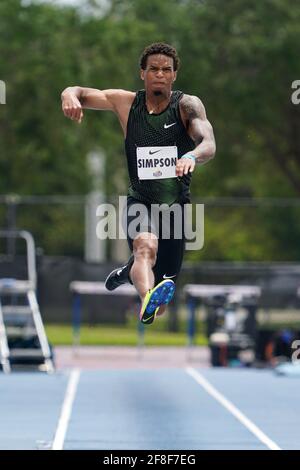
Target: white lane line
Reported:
[(58, 443), (232, 409)]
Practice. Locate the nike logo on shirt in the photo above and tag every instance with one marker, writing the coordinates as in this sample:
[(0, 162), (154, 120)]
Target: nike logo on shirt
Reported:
[(151, 152), (166, 126)]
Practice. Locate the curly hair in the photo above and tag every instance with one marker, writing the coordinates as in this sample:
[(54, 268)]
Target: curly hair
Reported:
[(159, 48)]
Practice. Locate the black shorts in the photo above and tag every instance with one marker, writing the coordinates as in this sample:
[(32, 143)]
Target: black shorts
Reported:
[(167, 225)]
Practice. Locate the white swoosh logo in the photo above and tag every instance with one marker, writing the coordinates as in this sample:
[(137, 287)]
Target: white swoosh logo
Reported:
[(168, 277), (166, 126)]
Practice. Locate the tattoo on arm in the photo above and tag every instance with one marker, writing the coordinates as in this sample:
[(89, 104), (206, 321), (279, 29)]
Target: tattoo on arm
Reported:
[(192, 107), (198, 127)]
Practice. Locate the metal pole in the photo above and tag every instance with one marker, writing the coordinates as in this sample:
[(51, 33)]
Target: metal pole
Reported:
[(76, 320), (11, 223)]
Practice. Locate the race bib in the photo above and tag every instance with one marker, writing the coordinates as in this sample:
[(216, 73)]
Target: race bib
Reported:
[(156, 162)]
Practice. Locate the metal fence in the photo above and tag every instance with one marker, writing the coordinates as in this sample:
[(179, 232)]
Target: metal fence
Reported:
[(236, 229)]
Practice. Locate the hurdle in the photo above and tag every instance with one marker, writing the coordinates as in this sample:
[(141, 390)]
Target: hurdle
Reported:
[(80, 288), (246, 295)]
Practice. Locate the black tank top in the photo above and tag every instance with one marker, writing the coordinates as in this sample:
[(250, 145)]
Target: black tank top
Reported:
[(164, 129)]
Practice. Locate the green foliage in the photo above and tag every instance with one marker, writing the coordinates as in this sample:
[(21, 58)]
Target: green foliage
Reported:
[(239, 57)]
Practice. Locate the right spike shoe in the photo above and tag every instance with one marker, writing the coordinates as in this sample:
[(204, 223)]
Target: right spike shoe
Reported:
[(161, 294)]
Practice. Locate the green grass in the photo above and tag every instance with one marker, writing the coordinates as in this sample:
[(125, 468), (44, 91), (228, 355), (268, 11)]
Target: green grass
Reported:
[(155, 335), (104, 335)]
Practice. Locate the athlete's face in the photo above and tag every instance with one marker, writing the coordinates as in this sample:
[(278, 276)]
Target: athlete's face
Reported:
[(159, 74)]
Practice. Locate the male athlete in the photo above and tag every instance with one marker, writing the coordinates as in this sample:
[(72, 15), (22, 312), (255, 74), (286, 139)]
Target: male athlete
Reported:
[(166, 134)]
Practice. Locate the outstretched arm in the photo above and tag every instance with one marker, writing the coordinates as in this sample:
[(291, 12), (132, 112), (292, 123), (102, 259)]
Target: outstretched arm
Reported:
[(75, 99), (200, 130)]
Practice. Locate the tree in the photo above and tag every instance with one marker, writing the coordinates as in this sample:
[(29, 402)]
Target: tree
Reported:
[(241, 60)]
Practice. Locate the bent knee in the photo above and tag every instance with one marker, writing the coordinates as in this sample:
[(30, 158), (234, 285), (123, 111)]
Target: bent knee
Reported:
[(145, 248)]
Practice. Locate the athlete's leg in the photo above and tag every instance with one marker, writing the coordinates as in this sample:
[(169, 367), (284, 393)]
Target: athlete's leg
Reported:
[(142, 238), (170, 255), (133, 210), (144, 250), (145, 247), (169, 261)]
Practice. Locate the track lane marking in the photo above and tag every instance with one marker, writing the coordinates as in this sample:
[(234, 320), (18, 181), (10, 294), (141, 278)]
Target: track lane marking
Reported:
[(212, 391), (66, 410)]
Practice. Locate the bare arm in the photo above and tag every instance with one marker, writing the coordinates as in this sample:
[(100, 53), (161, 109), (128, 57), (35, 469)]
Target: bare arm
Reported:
[(200, 130), (75, 99)]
